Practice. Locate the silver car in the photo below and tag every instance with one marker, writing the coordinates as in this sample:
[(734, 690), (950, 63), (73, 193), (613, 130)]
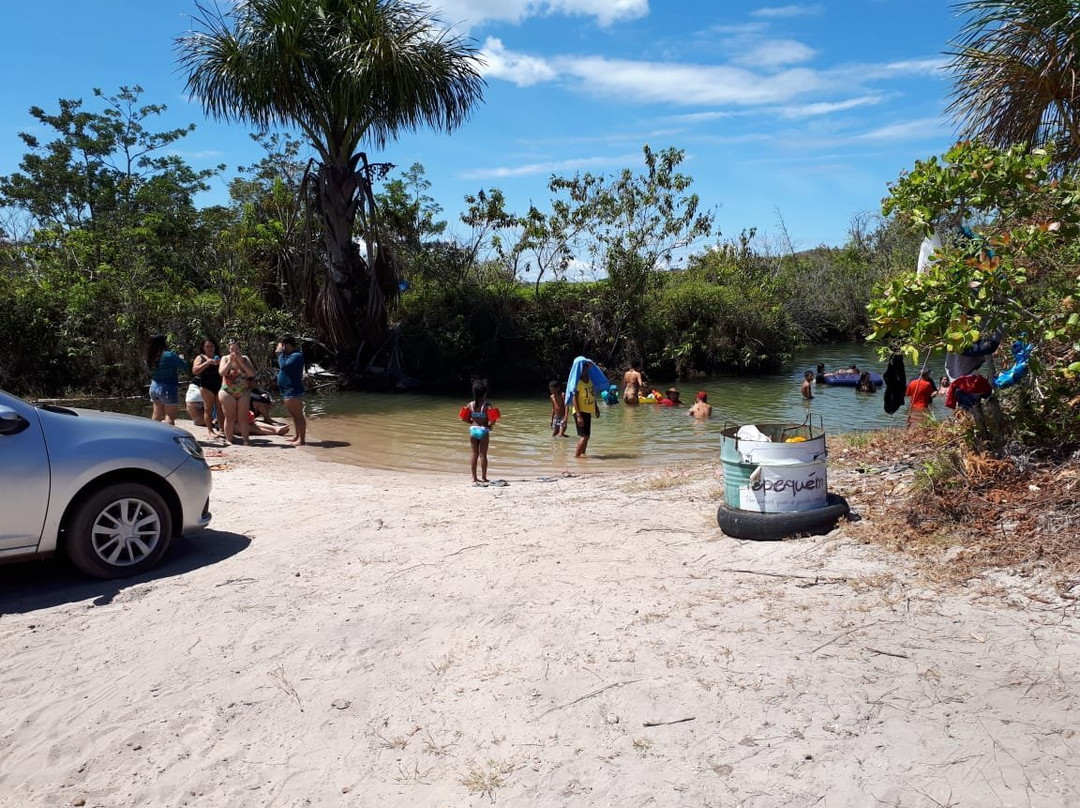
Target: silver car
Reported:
[(110, 491)]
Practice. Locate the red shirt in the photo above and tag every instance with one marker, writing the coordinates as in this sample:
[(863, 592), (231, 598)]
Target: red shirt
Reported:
[(921, 393)]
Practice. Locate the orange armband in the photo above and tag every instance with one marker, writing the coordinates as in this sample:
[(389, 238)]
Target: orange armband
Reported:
[(465, 414), (493, 415)]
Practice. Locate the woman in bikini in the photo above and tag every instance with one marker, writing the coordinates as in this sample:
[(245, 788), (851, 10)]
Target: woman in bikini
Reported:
[(237, 372), (633, 383), (205, 372)]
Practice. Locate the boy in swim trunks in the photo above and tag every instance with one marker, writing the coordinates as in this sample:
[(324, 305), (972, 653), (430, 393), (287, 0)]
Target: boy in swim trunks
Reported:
[(481, 417), (558, 409)]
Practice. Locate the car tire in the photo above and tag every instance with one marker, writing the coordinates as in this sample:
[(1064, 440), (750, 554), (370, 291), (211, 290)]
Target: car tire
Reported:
[(772, 526), (124, 529)]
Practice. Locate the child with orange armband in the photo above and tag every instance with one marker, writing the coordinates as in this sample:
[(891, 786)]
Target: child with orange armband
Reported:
[(481, 416)]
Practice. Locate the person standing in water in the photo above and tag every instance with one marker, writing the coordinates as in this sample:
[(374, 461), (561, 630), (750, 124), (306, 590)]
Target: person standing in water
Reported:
[(481, 417), (701, 407), (807, 388), (558, 409), (585, 377), (633, 383)]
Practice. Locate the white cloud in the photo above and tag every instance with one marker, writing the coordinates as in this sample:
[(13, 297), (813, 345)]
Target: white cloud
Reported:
[(892, 70), (829, 107), (775, 53), (471, 13), (783, 12), (517, 68), (552, 167), (699, 117), (907, 130), (686, 84)]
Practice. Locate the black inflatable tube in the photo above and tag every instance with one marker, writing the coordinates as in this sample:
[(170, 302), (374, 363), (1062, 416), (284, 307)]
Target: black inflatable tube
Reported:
[(772, 526)]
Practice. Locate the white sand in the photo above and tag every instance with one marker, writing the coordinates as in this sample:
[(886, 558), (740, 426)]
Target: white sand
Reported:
[(343, 637)]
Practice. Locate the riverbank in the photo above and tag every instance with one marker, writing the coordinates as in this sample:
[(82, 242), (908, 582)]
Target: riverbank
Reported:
[(353, 637)]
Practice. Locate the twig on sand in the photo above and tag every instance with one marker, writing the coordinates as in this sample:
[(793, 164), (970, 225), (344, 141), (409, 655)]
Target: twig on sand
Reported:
[(236, 581), (278, 675), (463, 549), (410, 569), (887, 653), (815, 578), (845, 634), (596, 692), (665, 723)]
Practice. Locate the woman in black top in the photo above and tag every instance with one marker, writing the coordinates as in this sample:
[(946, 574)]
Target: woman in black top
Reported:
[(205, 373)]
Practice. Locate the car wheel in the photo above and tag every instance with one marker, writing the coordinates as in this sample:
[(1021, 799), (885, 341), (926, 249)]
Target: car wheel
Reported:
[(772, 526), (123, 529)]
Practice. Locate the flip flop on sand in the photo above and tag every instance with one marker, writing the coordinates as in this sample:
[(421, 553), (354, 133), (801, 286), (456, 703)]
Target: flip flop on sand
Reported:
[(499, 483), (479, 484)]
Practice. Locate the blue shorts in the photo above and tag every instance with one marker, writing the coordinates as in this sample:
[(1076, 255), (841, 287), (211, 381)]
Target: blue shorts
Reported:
[(478, 432), (164, 393)]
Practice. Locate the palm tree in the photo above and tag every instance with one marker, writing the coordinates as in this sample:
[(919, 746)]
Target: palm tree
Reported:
[(1017, 70), (343, 72)]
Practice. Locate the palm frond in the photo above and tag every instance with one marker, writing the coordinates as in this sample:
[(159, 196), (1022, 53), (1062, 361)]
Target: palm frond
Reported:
[(1017, 69)]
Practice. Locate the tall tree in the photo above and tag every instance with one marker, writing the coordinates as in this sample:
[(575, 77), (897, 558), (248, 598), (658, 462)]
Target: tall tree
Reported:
[(343, 72), (1016, 65)]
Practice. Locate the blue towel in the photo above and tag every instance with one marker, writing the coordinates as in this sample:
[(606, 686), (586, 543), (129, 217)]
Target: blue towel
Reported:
[(599, 380)]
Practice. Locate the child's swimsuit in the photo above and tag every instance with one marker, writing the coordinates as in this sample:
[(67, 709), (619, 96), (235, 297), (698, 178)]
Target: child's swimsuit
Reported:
[(481, 419)]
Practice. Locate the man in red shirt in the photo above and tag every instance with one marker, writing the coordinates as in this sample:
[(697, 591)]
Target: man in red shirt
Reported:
[(921, 391)]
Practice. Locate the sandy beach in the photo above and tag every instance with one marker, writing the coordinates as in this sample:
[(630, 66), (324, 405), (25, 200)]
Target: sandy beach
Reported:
[(350, 637)]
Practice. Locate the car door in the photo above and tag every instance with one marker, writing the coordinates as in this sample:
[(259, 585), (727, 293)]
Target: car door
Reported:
[(24, 475)]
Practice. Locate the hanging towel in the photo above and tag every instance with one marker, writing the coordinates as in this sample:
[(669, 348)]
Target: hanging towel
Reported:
[(895, 383), (599, 380)]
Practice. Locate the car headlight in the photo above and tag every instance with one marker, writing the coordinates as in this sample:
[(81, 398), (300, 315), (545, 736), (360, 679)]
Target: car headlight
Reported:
[(190, 445)]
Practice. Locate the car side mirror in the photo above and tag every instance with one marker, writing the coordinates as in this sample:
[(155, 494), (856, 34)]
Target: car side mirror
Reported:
[(11, 423)]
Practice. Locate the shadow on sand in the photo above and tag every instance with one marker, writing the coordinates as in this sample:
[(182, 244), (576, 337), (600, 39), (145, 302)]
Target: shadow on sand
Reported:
[(31, 585)]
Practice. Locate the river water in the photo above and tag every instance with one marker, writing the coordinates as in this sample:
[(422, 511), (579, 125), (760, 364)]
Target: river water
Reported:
[(422, 432)]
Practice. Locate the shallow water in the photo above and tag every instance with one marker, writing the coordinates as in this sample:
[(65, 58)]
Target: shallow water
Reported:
[(422, 432), (419, 432)]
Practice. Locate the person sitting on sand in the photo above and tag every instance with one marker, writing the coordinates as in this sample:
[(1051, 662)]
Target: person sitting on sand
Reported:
[(258, 428), (701, 407)]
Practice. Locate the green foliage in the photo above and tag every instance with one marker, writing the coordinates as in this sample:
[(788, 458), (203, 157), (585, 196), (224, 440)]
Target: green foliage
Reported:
[(1015, 64), (1020, 274), (114, 250), (724, 315), (342, 74)]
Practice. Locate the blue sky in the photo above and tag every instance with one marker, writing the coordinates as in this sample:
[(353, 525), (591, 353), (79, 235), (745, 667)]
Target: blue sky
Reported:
[(795, 113)]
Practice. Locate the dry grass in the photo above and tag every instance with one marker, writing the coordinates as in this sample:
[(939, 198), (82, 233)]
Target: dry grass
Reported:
[(662, 482), (963, 514), (488, 778)]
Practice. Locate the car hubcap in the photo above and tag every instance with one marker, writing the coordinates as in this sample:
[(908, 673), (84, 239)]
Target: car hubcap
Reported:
[(126, 532)]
